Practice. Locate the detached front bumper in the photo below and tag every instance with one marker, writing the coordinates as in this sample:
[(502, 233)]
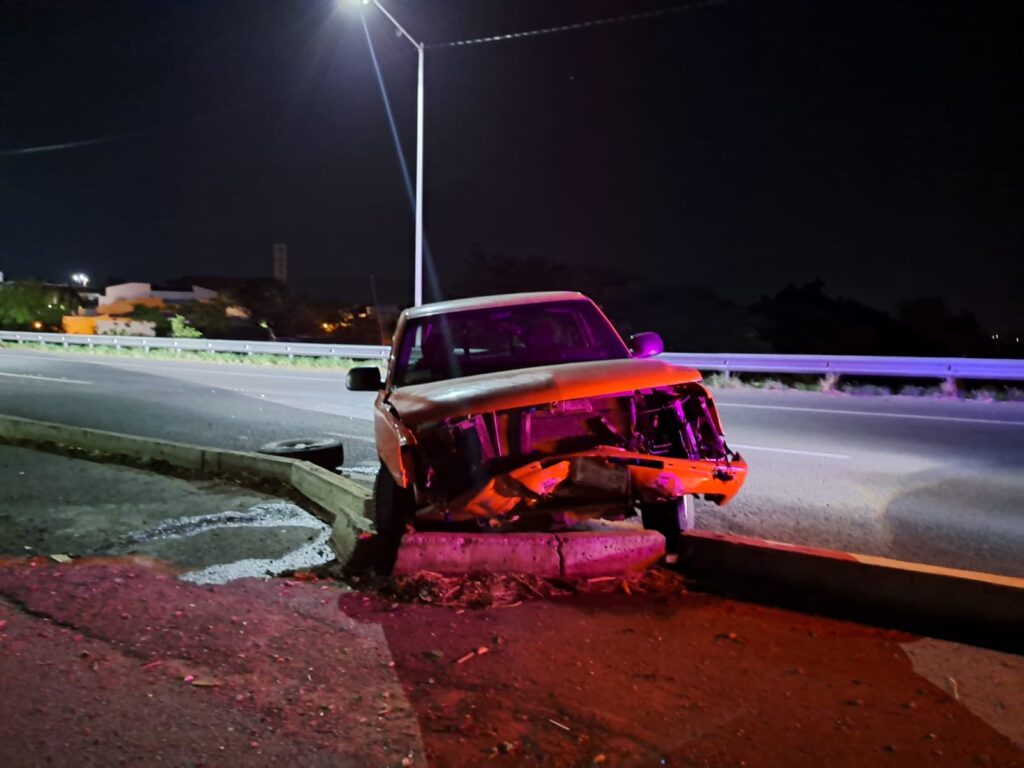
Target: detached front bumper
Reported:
[(601, 479)]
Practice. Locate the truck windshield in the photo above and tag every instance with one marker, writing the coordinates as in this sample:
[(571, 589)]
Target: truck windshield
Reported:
[(504, 338)]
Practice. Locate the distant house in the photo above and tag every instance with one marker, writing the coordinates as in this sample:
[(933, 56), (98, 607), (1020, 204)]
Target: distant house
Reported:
[(118, 301), (107, 325), (134, 291)]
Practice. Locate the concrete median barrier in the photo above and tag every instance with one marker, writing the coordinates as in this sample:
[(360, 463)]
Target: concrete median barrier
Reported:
[(349, 501), (241, 463), (598, 553), (454, 553), (112, 444), (981, 608), (345, 502)]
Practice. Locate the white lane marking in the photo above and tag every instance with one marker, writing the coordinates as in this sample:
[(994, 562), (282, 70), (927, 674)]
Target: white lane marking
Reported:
[(271, 514), (822, 454), (925, 417), (36, 377), (344, 436), (313, 553), (365, 471), (274, 514)]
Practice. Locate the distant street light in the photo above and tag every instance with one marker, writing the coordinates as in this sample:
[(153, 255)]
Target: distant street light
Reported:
[(418, 273), (81, 278)]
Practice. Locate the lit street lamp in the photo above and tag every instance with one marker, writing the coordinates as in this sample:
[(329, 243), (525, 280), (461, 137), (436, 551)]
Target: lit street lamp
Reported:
[(80, 278), (418, 274), (421, 48)]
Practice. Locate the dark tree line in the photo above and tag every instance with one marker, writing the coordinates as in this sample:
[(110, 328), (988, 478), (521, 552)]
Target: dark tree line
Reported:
[(804, 319), (798, 319)]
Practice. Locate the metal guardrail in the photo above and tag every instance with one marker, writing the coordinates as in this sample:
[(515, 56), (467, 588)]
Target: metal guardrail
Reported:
[(856, 365), (287, 348), (822, 365)]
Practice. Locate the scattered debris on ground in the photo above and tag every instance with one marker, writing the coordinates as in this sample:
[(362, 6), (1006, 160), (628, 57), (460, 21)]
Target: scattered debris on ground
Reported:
[(501, 590)]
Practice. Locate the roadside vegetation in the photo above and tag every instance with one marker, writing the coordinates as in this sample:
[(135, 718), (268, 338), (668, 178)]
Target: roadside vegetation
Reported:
[(280, 361), (35, 306)]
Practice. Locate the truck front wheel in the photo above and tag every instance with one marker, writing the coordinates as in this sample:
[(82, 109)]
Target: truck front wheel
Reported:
[(669, 518), (394, 506)]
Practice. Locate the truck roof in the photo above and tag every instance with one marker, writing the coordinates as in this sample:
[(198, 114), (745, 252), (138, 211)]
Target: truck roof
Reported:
[(485, 302)]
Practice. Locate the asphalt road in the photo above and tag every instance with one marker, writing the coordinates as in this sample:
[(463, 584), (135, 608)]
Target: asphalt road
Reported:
[(923, 479)]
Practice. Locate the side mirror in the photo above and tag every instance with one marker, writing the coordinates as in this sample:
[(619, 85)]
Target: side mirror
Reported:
[(646, 344), (366, 379)]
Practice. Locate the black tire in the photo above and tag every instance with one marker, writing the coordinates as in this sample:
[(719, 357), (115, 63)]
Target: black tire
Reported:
[(394, 506), (669, 518), (325, 452)]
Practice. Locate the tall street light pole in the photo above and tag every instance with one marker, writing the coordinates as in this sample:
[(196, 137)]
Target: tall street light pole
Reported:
[(420, 48), (418, 257)]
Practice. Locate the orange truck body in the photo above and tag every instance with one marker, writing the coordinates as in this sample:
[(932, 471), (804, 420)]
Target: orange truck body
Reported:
[(588, 438)]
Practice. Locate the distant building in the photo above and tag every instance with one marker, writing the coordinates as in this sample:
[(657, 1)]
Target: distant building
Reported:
[(135, 291), (281, 263), (118, 302)]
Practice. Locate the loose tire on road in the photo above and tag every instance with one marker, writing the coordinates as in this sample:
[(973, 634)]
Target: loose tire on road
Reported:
[(325, 452), (669, 518), (394, 506)]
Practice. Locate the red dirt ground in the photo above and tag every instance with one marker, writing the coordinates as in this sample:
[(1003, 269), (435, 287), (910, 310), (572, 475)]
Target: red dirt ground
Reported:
[(117, 663), (616, 680), (685, 680)]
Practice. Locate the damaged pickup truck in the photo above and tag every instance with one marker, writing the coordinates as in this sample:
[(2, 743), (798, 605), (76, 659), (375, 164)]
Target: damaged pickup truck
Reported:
[(529, 412)]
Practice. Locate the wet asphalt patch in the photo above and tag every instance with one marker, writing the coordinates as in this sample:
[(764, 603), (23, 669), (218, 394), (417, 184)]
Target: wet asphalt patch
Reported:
[(215, 531)]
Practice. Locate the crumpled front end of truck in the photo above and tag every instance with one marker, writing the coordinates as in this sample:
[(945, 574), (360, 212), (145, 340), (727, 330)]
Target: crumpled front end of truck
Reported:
[(599, 456)]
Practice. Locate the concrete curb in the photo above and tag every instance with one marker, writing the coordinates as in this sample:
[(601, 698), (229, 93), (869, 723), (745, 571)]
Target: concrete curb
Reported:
[(600, 553), (456, 553), (348, 504), (575, 555), (980, 607)]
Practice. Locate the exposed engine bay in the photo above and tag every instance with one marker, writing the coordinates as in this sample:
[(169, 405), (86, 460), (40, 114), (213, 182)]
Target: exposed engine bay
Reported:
[(588, 457)]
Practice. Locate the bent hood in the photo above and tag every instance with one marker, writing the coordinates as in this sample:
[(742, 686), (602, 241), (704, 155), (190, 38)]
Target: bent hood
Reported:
[(421, 403)]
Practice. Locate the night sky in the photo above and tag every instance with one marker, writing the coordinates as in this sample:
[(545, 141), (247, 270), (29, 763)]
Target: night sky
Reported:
[(741, 145)]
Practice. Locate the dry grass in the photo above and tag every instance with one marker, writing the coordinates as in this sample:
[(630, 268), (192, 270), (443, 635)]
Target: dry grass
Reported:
[(507, 590), (192, 356)]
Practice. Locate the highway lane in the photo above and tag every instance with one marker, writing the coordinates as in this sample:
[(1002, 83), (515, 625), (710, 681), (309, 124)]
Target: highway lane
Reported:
[(922, 479), (234, 408)]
